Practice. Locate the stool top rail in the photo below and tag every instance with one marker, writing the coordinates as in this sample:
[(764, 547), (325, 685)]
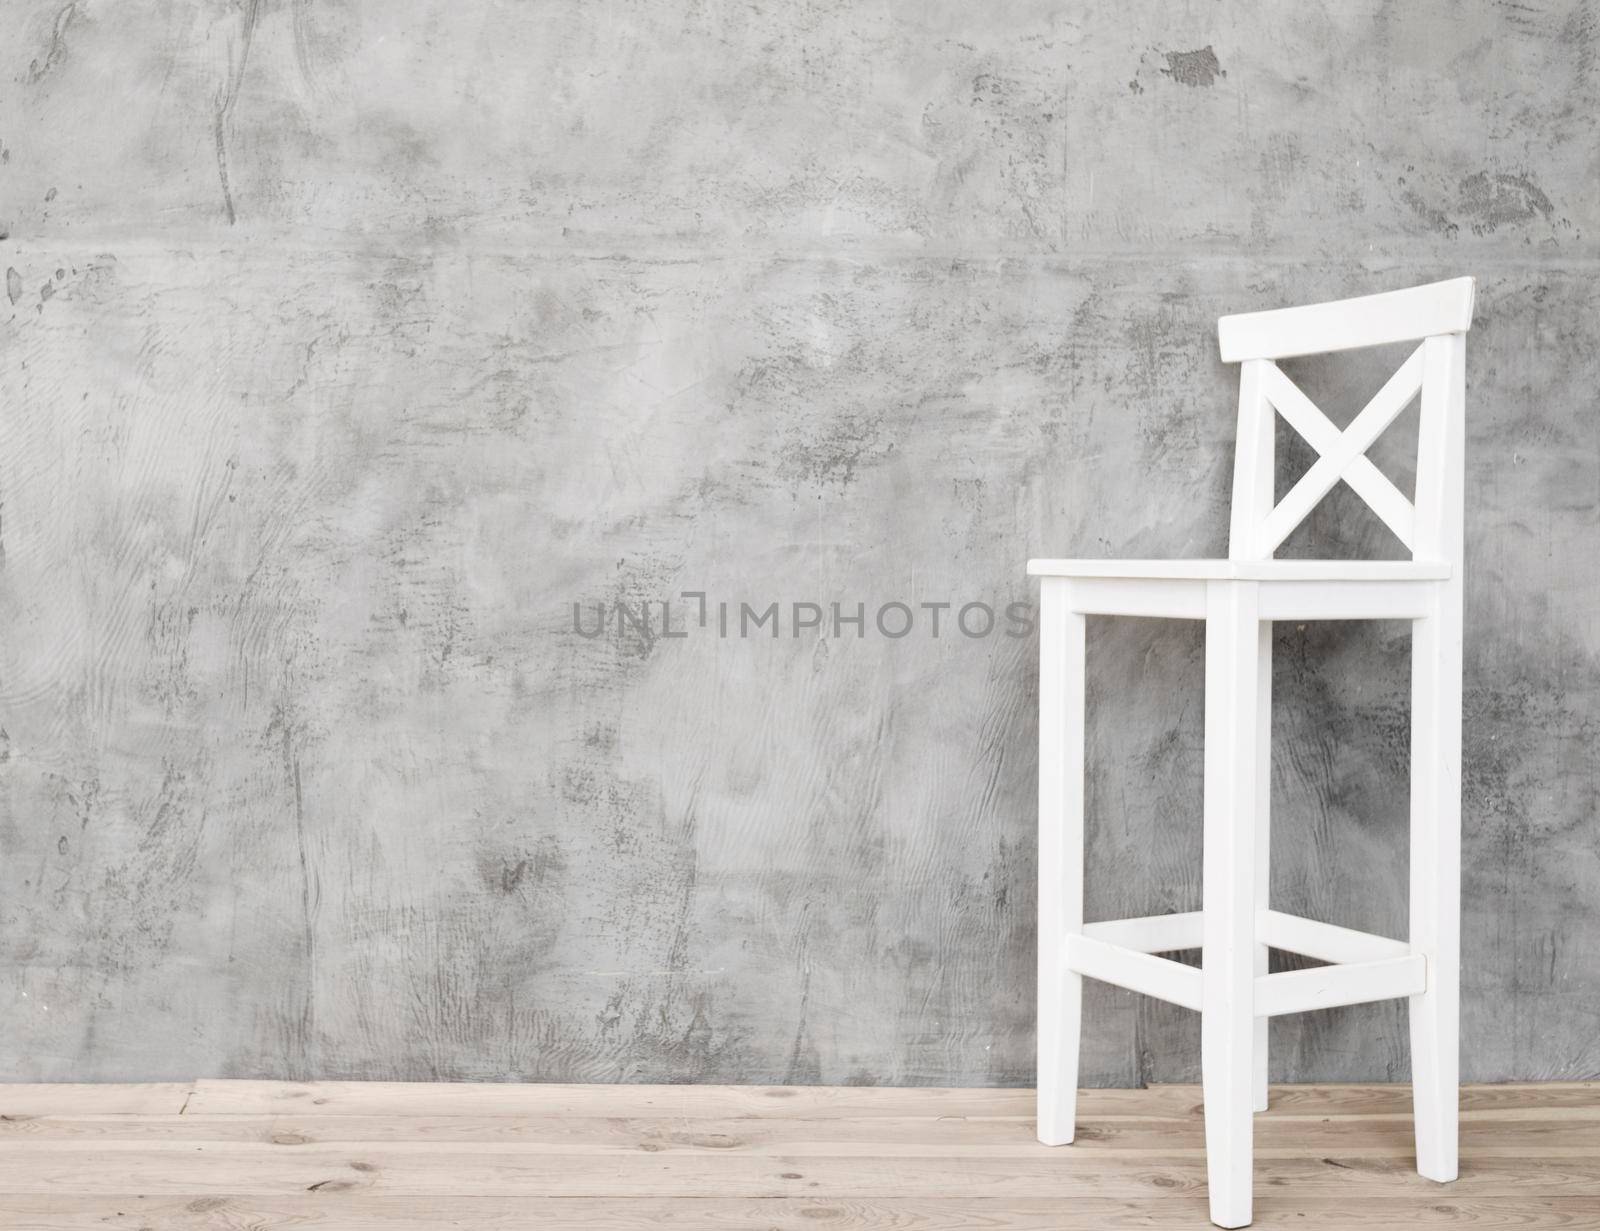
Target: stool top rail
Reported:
[(1348, 324)]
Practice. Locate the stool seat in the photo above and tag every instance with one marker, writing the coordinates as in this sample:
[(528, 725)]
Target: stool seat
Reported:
[(1247, 570), (1286, 589)]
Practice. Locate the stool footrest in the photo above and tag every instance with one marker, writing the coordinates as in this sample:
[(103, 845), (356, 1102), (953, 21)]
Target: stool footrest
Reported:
[(1324, 941), (1366, 967), (1326, 987), (1138, 972), (1152, 933)]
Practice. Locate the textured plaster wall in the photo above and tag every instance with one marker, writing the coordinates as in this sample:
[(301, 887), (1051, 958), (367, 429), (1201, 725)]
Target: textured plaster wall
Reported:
[(345, 345)]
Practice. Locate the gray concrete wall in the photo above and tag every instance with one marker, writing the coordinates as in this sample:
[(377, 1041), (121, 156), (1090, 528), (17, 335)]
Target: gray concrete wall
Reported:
[(346, 344)]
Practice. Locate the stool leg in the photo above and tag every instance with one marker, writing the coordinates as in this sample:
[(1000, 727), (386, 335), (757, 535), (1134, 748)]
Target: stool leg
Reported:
[(1263, 833), (1227, 1019), (1436, 881), (1062, 646)]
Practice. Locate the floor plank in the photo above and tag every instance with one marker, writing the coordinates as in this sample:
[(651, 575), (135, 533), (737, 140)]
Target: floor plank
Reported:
[(227, 1168), (827, 1102), (469, 1213), (353, 1156), (66, 1098), (879, 1135)]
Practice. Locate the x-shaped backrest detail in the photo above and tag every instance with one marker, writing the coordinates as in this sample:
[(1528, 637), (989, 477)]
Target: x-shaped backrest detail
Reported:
[(1343, 454)]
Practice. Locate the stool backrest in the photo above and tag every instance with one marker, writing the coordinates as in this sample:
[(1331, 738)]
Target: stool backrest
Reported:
[(1436, 317)]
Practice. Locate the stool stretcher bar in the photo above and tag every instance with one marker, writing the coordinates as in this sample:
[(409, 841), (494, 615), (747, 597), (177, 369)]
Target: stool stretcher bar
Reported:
[(1366, 967), (1138, 972), (1326, 987), (1152, 933), (1324, 941)]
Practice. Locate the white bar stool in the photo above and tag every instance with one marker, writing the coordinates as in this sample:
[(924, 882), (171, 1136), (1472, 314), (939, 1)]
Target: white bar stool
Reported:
[(1238, 598)]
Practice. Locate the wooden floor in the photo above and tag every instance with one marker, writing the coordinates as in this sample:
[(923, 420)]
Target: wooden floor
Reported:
[(362, 1156)]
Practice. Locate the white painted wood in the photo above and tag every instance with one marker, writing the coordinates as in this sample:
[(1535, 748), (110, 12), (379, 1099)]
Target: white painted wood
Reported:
[(1247, 570), (1260, 496), (1347, 324), (1436, 769), (1151, 933), (1263, 870), (1061, 750), (1343, 455), (1239, 598), (1227, 1019), (1325, 941), (1138, 972), (1327, 987), (1169, 570), (1165, 598), (1253, 462), (1441, 449), (1347, 600)]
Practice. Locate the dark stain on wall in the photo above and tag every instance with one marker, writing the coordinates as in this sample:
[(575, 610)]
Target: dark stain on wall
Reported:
[(1198, 69)]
